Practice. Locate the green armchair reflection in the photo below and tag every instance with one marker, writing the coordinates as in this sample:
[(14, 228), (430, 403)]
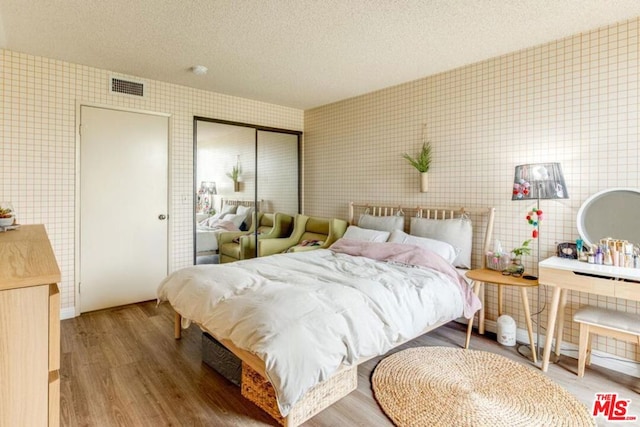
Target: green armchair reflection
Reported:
[(239, 245), (308, 233)]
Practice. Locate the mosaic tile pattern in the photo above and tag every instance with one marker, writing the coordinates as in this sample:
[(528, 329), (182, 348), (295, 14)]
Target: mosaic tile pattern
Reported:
[(573, 101), (38, 104)]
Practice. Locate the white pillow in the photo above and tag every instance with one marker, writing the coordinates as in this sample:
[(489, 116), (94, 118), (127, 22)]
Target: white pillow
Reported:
[(246, 211), (243, 210), (226, 209), (236, 219), (457, 232), (444, 249), (382, 223), (357, 233)]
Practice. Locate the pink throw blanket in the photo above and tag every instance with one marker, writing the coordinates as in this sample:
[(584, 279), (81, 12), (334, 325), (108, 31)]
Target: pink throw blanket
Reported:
[(411, 255)]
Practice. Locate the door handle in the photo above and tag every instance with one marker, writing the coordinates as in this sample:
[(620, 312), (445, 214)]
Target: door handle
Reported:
[(162, 217)]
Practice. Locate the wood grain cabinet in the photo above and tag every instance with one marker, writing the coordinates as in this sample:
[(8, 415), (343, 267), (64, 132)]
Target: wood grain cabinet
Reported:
[(29, 329)]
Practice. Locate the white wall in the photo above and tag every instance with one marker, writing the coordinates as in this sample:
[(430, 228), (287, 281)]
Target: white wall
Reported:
[(573, 101), (38, 144)]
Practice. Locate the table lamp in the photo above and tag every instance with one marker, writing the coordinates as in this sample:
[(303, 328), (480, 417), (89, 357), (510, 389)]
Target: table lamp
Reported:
[(538, 181)]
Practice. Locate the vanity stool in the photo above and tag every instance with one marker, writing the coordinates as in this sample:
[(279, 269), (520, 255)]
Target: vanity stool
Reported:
[(600, 321)]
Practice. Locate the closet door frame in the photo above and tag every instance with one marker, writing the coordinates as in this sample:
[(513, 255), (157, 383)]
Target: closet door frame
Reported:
[(257, 129)]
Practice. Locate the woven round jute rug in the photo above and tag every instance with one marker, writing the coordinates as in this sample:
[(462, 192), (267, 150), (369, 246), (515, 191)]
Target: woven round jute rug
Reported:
[(444, 386)]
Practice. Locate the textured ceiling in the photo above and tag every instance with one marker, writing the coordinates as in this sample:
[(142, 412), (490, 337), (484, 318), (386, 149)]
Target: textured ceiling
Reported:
[(297, 53)]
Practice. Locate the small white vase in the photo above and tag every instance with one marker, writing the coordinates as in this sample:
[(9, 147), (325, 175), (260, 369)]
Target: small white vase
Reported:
[(424, 182)]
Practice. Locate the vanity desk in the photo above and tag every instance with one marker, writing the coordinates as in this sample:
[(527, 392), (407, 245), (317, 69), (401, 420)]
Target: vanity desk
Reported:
[(572, 275)]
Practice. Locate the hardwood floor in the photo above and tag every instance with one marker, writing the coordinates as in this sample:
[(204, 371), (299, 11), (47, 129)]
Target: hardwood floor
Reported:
[(122, 367)]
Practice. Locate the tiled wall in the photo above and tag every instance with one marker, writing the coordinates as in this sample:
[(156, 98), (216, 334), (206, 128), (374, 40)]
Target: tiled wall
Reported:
[(573, 101), (217, 155), (278, 172), (38, 99)]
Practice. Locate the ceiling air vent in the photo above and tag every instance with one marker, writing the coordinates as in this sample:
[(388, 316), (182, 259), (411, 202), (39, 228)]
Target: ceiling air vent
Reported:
[(126, 87)]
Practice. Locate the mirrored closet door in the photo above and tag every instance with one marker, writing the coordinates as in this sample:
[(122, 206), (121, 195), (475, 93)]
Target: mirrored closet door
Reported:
[(278, 172), (239, 169)]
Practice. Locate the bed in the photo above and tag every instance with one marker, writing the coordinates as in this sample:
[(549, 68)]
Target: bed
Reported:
[(207, 229), (345, 305)]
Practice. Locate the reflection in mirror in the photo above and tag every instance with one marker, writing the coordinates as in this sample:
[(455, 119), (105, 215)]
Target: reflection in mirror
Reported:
[(610, 213), (278, 172), (228, 174), (220, 149)]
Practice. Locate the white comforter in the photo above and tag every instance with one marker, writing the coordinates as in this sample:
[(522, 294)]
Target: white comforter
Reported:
[(307, 313), (207, 233)]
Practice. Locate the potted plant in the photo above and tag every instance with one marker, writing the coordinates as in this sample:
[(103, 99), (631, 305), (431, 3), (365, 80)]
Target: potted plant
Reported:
[(6, 216), (422, 163), (235, 176), (516, 268)]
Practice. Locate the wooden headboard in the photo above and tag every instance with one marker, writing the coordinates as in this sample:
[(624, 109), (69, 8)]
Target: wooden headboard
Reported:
[(479, 216), (239, 202)]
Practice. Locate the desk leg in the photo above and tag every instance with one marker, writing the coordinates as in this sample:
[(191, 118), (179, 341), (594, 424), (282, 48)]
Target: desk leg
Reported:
[(476, 290), (560, 325), (499, 300), (551, 323), (527, 314)]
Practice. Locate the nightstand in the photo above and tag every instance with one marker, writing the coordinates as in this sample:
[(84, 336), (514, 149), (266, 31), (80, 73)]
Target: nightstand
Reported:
[(484, 275)]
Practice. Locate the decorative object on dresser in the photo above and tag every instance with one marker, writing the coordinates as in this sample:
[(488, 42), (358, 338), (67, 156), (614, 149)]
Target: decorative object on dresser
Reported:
[(442, 386), (538, 181), (29, 329), (7, 216)]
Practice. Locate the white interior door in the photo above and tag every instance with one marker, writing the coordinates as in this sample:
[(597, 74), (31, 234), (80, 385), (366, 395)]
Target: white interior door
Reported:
[(123, 206)]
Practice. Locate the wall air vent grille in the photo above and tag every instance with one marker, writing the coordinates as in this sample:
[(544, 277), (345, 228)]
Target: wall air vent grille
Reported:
[(126, 87)]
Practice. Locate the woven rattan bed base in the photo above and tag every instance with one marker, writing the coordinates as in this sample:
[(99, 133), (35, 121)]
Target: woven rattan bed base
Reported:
[(258, 390)]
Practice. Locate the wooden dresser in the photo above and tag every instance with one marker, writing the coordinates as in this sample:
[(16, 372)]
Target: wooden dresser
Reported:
[(29, 329)]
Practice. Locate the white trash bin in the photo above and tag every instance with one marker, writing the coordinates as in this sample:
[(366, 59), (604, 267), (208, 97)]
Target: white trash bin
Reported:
[(506, 330)]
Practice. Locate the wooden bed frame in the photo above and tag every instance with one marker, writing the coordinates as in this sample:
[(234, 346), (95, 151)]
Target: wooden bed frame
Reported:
[(300, 414)]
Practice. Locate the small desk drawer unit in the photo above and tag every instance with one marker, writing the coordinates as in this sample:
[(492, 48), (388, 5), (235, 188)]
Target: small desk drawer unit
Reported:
[(593, 282)]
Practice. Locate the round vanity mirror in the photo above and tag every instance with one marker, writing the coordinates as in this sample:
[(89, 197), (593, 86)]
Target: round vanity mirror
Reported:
[(611, 213)]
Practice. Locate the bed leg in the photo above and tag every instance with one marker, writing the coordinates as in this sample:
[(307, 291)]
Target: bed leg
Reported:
[(288, 422), (177, 326)]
